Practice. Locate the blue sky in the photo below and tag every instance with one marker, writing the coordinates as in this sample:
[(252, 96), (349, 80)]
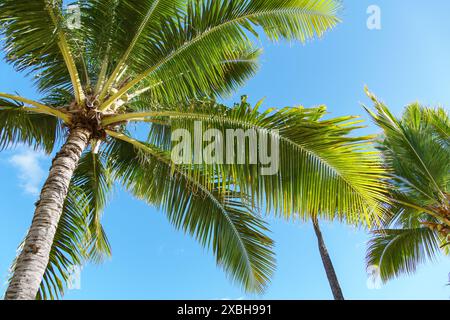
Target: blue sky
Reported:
[(407, 60)]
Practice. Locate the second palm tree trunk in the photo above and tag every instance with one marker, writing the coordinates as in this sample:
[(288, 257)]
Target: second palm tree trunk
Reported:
[(32, 261), (328, 265)]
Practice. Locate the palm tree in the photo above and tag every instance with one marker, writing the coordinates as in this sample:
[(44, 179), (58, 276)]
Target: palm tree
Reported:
[(416, 150), (157, 63)]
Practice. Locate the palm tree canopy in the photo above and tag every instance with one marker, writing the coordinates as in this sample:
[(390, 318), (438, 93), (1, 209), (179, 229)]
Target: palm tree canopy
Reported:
[(124, 46), (416, 150), (160, 63)]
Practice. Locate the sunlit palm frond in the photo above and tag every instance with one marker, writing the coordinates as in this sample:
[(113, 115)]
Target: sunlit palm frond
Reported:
[(235, 69), (221, 26), (220, 221), (333, 175)]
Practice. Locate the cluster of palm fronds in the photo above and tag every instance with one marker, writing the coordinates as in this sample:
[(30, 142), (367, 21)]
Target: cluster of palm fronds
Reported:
[(416, 150)]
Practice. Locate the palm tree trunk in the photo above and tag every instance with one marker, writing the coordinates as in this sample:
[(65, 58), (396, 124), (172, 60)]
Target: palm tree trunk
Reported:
[(328, 265), (32, 261)]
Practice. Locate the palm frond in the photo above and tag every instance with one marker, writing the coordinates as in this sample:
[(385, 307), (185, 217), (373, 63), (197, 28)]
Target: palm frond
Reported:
[(400, 251), (221, 26), (235, 70), (333, 175), (93, 178), (415, 153), (220, 221), (36, 41), (37, 107), (440, 121), (147, 17), (99, 21), (54, 9), (21, 126)]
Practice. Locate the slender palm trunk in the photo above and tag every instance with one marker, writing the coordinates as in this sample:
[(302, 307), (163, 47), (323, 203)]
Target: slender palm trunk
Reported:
[(328, 265), (32, 261)]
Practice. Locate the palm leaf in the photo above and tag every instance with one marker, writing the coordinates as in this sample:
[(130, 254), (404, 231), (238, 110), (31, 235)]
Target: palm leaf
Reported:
[(334, 175), (407, 139), (235, 69), (147, 16), (92, 176), (399, 251), (221, 26), (19, 126), (36, 41), (220, 221)]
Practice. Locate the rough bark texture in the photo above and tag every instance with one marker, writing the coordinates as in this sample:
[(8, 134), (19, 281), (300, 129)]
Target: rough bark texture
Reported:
[(329, 269), (32, 261)]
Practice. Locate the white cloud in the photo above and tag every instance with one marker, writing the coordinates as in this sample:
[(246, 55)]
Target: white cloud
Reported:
[(30, 172)]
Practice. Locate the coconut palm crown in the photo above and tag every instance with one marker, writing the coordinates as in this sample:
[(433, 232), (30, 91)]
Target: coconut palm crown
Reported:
[(416, 228), (161, 63)]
